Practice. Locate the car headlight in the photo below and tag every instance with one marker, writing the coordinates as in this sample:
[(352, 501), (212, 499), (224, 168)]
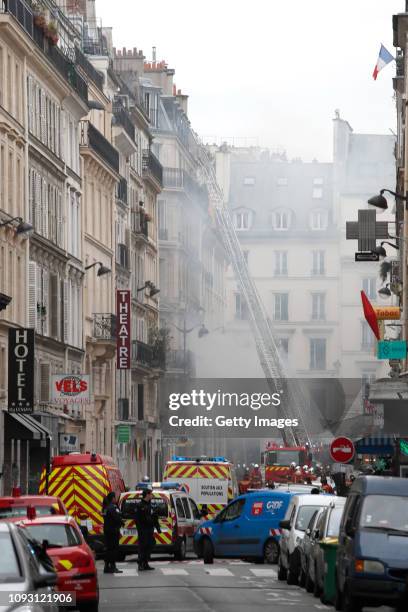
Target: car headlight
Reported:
[(369, 566)]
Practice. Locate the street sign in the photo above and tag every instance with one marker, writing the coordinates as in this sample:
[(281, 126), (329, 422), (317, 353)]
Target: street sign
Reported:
[(392, 349), (123, 434), (342, 450), (21, 371), (366, 256), (386, 313), (366, 230)]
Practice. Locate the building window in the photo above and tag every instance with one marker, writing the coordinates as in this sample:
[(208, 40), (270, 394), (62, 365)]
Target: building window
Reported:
[(281, 307), (283, 347), (317, 193), (282, 181), (249, 180), (318, 219), (162, 208), (367, 337), (317, 353), (318, 263), (318, 306), (281, 219), (242, 220), (318, 181), (241, 311), (281, 263), (370, 287)]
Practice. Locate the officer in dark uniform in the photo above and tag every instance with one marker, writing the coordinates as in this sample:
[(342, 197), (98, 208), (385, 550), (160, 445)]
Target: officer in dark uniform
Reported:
[(112, 522), (146, 521)]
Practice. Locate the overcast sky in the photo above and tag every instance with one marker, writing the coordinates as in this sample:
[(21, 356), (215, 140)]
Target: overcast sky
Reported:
[(269, 71)]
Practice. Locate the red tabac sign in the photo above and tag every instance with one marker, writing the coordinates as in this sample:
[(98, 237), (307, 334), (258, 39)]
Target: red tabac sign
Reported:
[(342, 450), (370, 315), (123, 307)]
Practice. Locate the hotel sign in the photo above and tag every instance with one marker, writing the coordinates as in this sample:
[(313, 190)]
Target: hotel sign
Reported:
[(123, 308), (21, 371)]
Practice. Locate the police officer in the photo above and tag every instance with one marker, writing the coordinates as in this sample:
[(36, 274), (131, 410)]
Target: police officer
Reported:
[(112, 522), (146, 522)]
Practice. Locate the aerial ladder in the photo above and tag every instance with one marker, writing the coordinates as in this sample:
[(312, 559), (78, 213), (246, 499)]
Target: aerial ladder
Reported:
[(269, 357)]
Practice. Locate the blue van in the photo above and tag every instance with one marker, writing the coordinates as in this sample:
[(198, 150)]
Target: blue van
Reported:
[(372, 557), (247, 528)]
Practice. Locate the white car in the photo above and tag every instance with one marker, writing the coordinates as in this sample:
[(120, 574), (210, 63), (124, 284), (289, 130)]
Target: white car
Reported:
[(294, 525)]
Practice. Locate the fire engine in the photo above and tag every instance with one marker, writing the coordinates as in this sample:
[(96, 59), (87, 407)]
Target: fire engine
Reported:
[(286, 463)]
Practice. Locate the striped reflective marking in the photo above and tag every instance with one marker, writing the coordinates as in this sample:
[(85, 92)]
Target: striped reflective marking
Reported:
[(218, 571), (173, 571)]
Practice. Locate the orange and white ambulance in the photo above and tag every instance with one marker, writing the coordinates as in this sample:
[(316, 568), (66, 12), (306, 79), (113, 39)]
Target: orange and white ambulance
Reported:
[(178, 514), (82, 480), (211, 481)]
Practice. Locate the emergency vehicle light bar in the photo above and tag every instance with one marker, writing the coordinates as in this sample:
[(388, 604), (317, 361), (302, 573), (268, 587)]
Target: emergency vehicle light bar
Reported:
[(158, 485), (217, 459)]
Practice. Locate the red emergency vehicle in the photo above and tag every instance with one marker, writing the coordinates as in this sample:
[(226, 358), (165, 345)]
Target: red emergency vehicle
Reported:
[(280, 463), (14, 507)]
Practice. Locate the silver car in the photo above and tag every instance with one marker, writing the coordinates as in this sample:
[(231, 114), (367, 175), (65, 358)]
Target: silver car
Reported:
[(22, 572), (305, 548)]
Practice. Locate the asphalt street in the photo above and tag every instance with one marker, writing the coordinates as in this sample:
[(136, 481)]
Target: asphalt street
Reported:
[(225, 586)]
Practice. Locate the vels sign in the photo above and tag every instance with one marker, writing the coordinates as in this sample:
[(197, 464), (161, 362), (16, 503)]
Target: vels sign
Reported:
[(21, 371), (123, 306)]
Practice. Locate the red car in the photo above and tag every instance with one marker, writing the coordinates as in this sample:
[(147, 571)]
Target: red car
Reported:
[(14, 507), (73, 559)]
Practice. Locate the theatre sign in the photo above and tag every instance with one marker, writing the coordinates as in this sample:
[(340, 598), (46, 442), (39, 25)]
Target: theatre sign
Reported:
[(21, 371)]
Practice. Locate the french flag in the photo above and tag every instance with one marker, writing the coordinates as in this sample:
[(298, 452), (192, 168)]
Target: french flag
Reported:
[(384, 58)]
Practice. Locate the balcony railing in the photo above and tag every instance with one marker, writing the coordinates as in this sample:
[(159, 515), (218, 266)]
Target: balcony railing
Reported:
[(88, 69), (122, 190), (175, 178), (147, 355), (123, 409), (152, 166), (122, 118), (177, 359), (23, 13), (104, 326), (91, 137)]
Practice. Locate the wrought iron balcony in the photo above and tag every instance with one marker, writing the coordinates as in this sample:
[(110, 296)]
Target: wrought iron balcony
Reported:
[(151, 166), (104, 326), (91, 137), (66, 68), (179, 360), (147, 355), (88, 69), (175, 178), (122, 190), (121, 117)]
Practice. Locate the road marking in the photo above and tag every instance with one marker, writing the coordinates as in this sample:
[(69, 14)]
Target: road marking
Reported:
[(126, 572), (322, 607), (173, 571), (218, 571), (261, 573)]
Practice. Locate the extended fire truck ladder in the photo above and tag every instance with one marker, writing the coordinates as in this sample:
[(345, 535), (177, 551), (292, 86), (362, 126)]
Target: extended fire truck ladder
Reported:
[(268, 353)]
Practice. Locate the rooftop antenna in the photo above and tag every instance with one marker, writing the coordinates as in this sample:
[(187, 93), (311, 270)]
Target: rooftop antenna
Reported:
[(154, 54)]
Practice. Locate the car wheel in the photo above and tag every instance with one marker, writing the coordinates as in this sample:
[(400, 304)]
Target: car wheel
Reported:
[(316, 588), (208, 552), (293, 572), (89, 606), (271, 552), (350, 603), (180, 553), (282, 571)]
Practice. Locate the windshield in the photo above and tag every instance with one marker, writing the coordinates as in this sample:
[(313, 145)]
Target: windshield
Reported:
[(333, 527), (304, 515), (159, 506), (56, 535), (385, 511), (9, 566), (282, 457), (15, 511)]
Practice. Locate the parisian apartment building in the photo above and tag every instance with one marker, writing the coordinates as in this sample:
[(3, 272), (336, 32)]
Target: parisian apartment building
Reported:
[(100, 192)]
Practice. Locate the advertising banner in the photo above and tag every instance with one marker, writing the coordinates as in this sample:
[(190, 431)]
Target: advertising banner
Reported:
[(205, 490), (21, 371), (70, 389), (123, 348)]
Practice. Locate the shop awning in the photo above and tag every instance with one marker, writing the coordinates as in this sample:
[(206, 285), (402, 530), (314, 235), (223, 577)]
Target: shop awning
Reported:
[(375, 445), (37, 431)]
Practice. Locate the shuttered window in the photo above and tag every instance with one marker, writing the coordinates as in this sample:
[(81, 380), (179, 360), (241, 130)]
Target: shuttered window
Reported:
[(54, 307), (45, 371), (44, 116), (32, 294)]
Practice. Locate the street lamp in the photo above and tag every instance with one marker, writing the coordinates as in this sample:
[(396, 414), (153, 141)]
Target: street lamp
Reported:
[(153, 290), (95, 105), (22, 227), (381, 251), (385, 291), (202, 331), (380, 202), (102, 269), (4, 301)]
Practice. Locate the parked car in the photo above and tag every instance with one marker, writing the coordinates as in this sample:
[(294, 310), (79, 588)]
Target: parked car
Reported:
[(72, 557), (372, 560), (14, 507), (21, 570), (294, 525), (247, 528), (305, 548), (178, 516), (327, 526)]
